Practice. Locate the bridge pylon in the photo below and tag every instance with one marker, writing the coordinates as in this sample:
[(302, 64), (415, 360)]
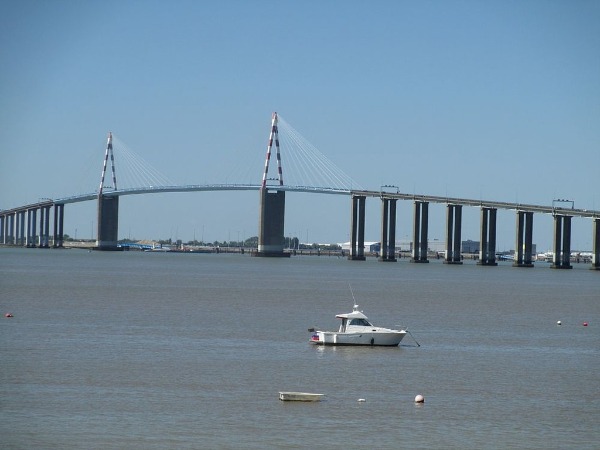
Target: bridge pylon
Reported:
[(271, 219), (108, 206)]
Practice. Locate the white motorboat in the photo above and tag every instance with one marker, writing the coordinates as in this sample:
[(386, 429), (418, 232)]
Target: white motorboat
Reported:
[(356, 329)]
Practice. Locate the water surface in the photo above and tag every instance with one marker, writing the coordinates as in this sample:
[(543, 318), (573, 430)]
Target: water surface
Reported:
[(156, 350)]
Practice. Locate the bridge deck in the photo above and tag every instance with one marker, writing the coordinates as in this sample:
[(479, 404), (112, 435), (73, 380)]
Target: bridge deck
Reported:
[(314, 190)]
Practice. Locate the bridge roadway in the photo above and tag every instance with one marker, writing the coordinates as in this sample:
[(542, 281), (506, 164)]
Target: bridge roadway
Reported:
[(481, 203), (316, 190), (195, 188)]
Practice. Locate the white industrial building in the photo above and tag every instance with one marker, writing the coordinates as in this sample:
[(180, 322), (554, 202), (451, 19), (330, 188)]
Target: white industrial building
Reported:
[(370, 247), (405, 245)]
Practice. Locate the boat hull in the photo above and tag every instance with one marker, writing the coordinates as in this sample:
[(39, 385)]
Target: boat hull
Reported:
[(386, 339), (300, 397)]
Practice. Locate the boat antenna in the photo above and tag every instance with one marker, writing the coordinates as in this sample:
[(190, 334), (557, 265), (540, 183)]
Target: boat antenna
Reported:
[(353, 299)]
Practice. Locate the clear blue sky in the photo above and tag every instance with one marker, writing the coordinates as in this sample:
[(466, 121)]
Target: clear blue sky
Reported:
[(498, 100)]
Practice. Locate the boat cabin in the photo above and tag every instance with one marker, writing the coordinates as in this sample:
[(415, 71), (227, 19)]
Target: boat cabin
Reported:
[(353, 319)]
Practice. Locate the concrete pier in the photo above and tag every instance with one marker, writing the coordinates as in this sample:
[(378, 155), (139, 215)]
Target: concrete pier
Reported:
[(453, 234), (357, 228), (59, 218), (12, 229), (271, 223), (9, 229), (23, 231), (108, 223), (487, 243), (524, 241), (596, 244), (562, 242), (44, 236), (31, 227), (17, 229), (20, 234), (388, 230), (420, 224)]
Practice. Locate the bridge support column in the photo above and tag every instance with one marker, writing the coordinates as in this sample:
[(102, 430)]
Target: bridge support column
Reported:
[(108, 223), (31, 229), (387, 251), (18, 220), (271, 224), (14, 235), (7, 229), (420, 224), (39, 238), (596, 244), (46, 233), (44, 236), (34, 227), (487, 242), (15, 229), (22, 220), (453, 234), (524, 245), (18, 233), (59, 218), (12, 219), (562, 242), (357, 228), (12, 229), (3, 228)]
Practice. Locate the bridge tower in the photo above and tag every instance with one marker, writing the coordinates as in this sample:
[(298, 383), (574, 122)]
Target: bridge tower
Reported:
[(272, 205), (108, 206)]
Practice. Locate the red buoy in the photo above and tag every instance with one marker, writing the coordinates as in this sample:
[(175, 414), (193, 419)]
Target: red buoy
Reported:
[(585, 324), (8, 315)]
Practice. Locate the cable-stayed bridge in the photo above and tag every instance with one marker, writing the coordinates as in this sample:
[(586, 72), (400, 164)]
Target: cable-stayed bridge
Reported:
[(308, 171)]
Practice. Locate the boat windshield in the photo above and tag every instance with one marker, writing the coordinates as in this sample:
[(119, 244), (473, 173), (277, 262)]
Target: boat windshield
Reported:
[(360, 323)]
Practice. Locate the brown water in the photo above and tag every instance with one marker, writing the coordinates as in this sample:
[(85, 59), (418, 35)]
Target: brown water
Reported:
[(152, 351)]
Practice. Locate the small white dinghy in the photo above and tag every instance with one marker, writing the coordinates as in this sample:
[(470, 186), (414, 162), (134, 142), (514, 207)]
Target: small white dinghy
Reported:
[(300, 397)]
